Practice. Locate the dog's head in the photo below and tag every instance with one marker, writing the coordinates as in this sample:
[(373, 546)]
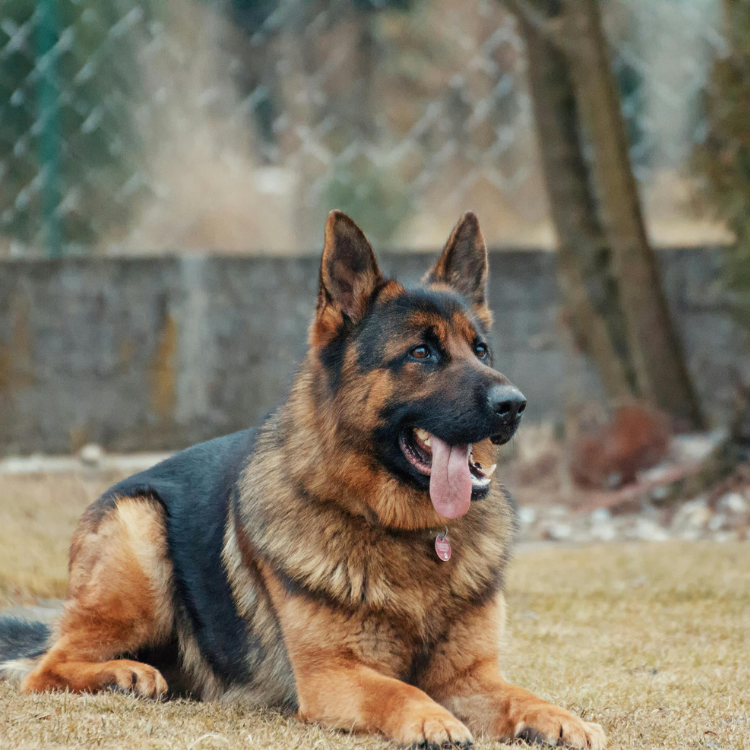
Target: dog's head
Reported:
[(408, 372)]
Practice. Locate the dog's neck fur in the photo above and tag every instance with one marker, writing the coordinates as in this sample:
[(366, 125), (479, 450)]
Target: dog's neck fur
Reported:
[(322, 453), (289, 512)]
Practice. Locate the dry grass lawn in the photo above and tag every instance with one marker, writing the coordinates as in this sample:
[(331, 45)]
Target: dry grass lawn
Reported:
[(652, 641)]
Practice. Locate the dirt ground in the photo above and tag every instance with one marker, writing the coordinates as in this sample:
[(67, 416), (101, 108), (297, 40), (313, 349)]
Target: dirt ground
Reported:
[(650, 640)]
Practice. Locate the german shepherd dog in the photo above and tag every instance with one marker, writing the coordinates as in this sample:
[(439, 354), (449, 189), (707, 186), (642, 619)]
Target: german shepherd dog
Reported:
[(346, 561)]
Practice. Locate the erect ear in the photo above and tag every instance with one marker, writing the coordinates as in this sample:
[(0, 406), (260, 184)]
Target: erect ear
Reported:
[(463, 264), (349, 273)]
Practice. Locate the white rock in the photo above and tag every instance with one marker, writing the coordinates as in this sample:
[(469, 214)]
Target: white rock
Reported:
[(692, 515), (656, 473), (527, 515), (650, 531), (659, 492), (733, 502), (601, 515), (695, 447), (602, 527), (727, 536), (648, 510), (689, 535), (91, 454), (603, 532), (559, 531), (717, 521)]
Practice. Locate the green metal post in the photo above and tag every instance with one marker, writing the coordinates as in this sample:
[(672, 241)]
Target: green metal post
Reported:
[(49, 116)]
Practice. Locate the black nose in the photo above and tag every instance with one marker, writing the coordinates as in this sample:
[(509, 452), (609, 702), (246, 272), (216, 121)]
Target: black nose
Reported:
[(506, 401)]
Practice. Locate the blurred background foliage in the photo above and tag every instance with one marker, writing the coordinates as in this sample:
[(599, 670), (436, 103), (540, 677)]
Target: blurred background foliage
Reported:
[(403, 112), (599, 129), (69, 132), (724, 157)]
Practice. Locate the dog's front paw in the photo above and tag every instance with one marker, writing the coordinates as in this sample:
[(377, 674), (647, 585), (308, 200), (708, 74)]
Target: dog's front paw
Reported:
[(431, 727), (552, 725), (139, 679)]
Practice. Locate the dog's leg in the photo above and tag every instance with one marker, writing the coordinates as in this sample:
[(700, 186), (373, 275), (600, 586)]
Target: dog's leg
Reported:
[(464, 675), (344, 678), (342, 693), (118, 601)]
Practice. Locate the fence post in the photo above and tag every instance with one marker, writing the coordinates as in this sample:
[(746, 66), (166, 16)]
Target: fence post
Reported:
[(49, 137)]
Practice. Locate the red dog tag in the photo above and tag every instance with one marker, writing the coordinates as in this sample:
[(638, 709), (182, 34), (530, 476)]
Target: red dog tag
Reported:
[(443, 547)]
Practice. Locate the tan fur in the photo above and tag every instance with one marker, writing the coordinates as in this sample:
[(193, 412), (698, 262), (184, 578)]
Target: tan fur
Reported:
[(469, 683), (119, 599), (342, 293), (329, 556), (449, 272), (364, 604), (347, 677)]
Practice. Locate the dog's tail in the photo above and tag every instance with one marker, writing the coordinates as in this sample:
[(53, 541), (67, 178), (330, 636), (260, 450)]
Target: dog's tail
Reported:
[(22, 644)]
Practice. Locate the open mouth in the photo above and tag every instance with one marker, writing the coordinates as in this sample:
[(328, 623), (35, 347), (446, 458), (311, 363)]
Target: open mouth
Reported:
[(416, 445), (455, 477)]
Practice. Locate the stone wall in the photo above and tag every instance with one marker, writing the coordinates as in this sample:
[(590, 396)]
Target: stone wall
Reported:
[(160, 352)]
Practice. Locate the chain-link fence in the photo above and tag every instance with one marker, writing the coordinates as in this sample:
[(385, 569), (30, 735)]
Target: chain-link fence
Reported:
[(153, 126)]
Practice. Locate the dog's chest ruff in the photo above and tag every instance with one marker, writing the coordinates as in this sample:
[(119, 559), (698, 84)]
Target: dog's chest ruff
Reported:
[(324, 553)]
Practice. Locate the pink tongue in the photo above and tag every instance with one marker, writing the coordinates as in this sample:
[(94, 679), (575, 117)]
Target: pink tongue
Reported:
[(450, 480)]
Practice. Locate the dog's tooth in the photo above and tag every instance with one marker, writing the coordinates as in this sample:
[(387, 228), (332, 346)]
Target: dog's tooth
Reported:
[(427, 441), (423, 435), (490, 470)]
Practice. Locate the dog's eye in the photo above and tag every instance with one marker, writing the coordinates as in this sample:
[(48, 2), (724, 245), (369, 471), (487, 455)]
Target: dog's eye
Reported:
[(420, 352), (480, 350)]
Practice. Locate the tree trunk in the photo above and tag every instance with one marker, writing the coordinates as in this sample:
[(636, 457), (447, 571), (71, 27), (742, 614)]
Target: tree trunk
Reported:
[(580, 238), (657, 357)]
